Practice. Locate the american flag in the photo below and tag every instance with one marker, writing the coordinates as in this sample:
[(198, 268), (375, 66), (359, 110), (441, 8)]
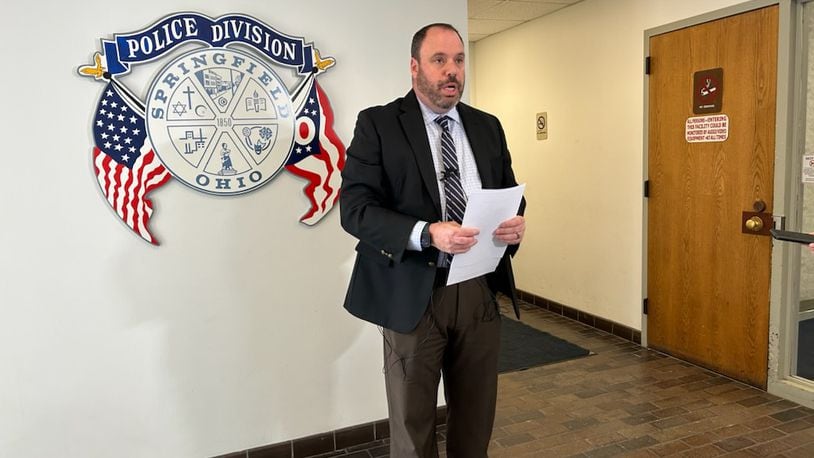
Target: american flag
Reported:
[(125, 164), (318, 155)]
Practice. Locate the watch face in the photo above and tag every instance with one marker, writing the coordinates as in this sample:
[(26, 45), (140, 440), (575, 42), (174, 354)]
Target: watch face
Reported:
[(425, 237)]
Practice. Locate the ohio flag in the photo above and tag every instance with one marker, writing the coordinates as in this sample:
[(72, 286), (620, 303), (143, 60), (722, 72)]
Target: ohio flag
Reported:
[(318, 155)]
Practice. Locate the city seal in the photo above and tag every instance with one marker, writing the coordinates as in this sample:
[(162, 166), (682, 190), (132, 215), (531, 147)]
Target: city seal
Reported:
[(220, 120)]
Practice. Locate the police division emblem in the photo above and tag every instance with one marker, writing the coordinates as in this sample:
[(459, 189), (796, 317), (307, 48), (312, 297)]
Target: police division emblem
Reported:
[(219, 118)]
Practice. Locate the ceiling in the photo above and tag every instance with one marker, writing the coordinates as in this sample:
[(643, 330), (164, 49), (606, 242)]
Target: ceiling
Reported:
[(487, 17)]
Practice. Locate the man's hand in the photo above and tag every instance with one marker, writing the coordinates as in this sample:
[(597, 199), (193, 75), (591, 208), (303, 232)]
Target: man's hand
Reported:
[(511, 231), (451, 237)]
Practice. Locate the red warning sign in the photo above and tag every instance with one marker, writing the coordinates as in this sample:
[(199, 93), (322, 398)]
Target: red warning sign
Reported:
[(714, 128)]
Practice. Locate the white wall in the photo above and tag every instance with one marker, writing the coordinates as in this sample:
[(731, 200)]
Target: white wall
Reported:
[(584, 66), (229, 335)]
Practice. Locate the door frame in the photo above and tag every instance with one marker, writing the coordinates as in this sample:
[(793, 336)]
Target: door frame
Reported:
[(789, 145)]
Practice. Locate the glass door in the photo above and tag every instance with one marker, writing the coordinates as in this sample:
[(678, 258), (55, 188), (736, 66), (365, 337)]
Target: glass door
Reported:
[(804, 361)]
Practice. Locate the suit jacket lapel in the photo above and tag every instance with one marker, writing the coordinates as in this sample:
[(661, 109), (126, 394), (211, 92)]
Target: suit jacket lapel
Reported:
[(413, 124), (475, 131)]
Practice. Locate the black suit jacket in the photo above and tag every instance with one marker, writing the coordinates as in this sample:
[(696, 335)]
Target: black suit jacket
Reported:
[(389, 184)]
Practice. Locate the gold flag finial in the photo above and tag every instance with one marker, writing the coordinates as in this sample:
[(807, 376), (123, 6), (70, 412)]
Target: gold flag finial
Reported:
[(323, 64), (95, 71)]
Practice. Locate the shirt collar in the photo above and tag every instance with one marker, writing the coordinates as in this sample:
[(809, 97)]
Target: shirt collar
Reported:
[(430, 116)]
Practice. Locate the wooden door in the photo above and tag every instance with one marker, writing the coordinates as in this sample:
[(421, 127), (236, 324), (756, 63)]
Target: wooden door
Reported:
[(707, 282)]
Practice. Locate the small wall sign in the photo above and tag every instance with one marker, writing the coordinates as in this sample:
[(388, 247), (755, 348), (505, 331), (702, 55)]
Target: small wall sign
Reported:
[(704, 129), (808, 168), (708, 90), (542, 126)]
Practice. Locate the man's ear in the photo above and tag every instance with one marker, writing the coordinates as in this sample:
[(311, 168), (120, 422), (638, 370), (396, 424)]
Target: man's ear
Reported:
[(413, 67)]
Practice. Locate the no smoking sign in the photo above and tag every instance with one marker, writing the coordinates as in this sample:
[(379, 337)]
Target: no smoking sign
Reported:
[(542, 126)]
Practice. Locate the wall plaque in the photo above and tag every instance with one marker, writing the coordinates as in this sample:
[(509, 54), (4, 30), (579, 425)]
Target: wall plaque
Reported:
[(217, 116)]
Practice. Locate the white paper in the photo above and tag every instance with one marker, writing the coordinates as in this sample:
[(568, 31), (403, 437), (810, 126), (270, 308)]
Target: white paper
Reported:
[(485, 210)]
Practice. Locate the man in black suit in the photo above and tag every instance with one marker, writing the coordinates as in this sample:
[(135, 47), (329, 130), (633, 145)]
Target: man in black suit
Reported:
[(409, 168)]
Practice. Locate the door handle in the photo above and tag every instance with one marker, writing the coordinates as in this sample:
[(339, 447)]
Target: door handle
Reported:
[(754, 224)]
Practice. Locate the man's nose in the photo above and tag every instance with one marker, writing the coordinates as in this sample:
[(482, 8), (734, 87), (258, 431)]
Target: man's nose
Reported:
[(450, 69)]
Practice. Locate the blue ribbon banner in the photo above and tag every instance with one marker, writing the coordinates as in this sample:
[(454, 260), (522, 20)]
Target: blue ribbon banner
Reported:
[(175, 30)]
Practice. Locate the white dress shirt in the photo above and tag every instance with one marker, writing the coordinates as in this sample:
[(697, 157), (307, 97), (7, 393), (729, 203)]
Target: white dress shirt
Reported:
[(470, 178)]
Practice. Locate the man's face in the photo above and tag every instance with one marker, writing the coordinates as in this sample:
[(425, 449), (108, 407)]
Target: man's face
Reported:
[(439, 74)]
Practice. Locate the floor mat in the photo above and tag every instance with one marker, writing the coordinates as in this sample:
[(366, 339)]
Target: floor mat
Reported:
[(522, 347)]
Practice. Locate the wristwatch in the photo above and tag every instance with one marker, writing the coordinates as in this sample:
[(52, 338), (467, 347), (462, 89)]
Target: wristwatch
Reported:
[(426, 240)]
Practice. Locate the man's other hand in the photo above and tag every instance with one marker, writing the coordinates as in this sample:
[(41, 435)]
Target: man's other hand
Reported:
[(511, 231), (451, 237)]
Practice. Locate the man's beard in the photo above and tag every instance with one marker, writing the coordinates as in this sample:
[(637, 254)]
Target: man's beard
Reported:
[(433, 92)]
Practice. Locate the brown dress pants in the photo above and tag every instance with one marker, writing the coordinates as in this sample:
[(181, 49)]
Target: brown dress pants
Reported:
[(458, 336)]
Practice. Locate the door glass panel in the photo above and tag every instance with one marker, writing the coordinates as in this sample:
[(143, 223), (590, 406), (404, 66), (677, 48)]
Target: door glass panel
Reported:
[(805, 335)]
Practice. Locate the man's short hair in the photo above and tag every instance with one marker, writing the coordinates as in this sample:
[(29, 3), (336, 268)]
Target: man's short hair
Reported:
[(419, 36)]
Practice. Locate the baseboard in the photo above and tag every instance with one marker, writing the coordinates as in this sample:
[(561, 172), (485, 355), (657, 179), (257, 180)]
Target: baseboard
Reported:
[(328, 442), (594, 321)]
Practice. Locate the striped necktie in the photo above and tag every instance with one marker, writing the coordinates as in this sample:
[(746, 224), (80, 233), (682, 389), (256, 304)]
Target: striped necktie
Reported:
[(453, 191)]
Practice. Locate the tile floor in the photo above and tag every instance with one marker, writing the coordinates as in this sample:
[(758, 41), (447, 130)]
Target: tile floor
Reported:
[(629, 401)]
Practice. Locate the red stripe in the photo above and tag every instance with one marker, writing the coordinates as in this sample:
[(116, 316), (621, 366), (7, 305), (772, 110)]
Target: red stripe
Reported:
[(96, 152), (313, 180), (159, 170), (329, 191), (325, 105), (115, 168), (139, 211), (132, 210), (127, 196), (106, 167), (148, 161), (101, 175), (327, 132), (145, 217), (140, 191)]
